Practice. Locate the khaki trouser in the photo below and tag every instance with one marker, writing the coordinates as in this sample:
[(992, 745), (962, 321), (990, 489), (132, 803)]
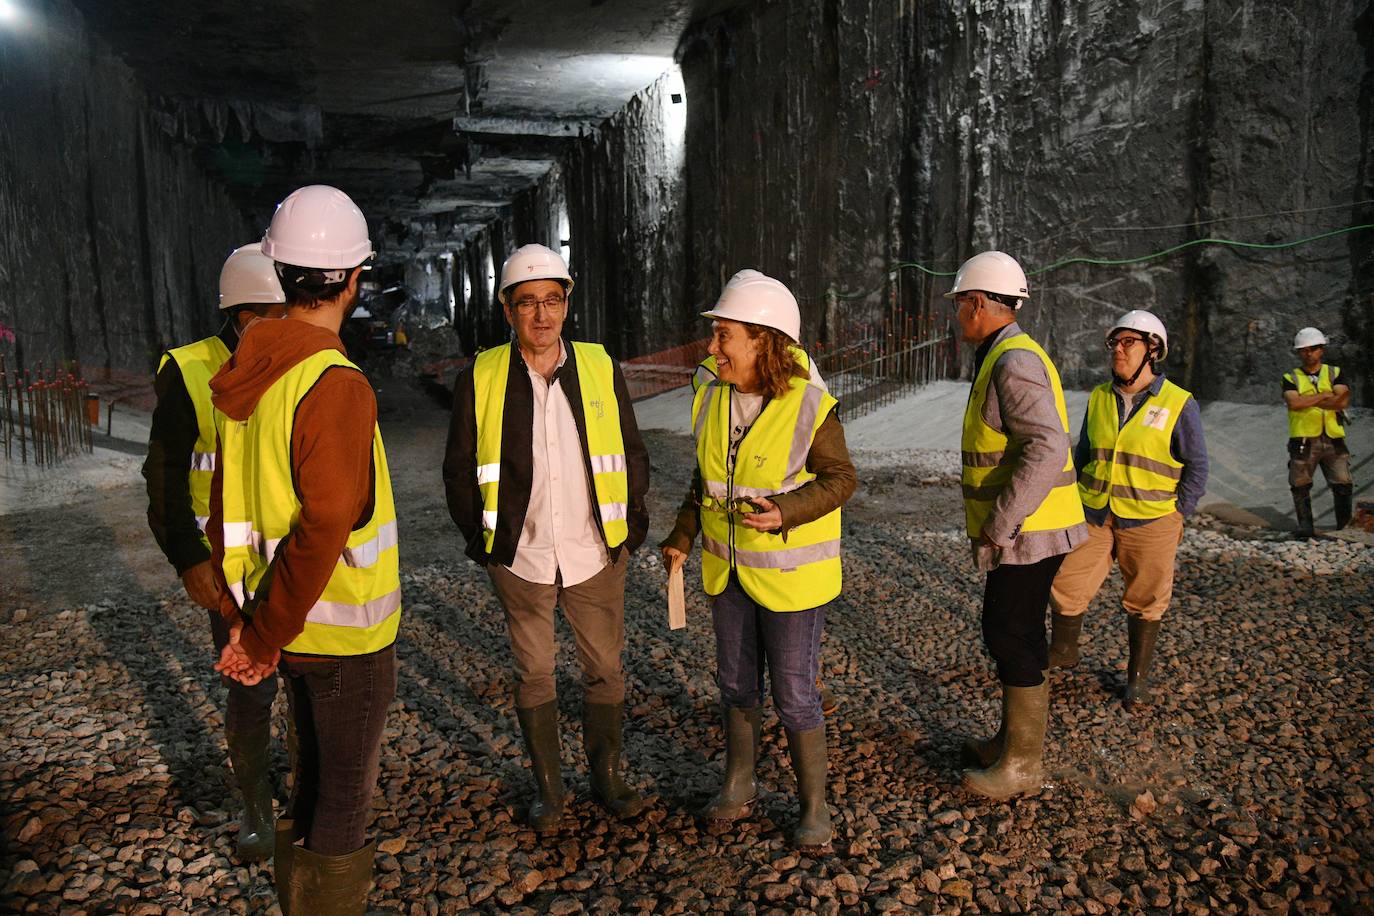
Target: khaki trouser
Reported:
[(1145, 554), (1306, 455), (594, 609)]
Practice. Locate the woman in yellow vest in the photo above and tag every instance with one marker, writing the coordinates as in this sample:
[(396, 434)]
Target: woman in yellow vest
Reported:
[(1142, 467), (772, 472), (1316, 394)]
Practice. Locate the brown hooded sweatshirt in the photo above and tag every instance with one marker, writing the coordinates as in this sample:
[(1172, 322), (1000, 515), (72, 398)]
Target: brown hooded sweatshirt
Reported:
[(331, 468)]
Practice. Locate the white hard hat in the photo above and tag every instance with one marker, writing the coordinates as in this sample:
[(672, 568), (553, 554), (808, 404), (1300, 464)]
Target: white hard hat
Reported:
[(756, 298), (1309, 337), (248, 278), (319, 227), (1147, 324), (991, 272), (533, 262)]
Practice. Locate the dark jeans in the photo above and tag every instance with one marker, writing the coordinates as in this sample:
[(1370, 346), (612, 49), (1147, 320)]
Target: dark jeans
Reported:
[(249, 709), (748, 635), (339, 707), (1014, 602)]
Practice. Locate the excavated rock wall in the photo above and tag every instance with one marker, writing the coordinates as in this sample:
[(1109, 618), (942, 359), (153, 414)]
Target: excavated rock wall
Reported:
[(111, 239)]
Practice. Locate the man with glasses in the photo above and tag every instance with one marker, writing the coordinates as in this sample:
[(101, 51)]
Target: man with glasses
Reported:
[(1142, 467), (1021, 510), (546, 477), (1317, 395)]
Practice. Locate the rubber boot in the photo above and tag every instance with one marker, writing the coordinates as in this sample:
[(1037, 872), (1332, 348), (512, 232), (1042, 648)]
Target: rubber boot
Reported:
[(1141, 634), (810, 762), (283, 857), (1064, 652), (539, 725), (1302, 511), (601, 730), (248, 755), (1018, 768), (330, 885), (981, 753), (740, 789), (1344, 495), (829, 703)]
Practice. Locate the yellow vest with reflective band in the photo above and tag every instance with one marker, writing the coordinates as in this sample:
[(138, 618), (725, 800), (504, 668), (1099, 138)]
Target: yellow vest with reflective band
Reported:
[(198, 363), (801, 572), (707, 372), (1311, 422), (989, 458), (605, 446), (1130, 467), (360, 608)]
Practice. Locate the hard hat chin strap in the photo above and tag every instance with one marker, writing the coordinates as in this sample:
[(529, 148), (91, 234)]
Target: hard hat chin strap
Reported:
[(1146, 360)]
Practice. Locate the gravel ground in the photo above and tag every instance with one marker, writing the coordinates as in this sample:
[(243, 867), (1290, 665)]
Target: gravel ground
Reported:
[(1246, 787)]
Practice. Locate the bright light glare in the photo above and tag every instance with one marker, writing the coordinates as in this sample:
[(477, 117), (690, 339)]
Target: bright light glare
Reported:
[(564, 236), (9, 13), (675, 103)]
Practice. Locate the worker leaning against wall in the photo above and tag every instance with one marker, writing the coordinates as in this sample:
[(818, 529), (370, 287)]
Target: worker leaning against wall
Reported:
[(181, 460), (1142, 467), (303, 527), (1317, 394), (546, 477), (1021, 510)]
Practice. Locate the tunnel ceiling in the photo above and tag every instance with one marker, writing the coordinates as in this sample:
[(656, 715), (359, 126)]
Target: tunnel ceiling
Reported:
[(418, 108)]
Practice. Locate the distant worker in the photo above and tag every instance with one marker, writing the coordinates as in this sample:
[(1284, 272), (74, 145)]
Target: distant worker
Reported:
[(1317, 395), (1021, 510), (303, 526), (181, 460), (1142, 467), (772, 473), (546, 477)]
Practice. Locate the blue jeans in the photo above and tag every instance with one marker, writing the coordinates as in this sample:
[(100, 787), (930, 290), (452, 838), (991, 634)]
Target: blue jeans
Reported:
[(747, 636)]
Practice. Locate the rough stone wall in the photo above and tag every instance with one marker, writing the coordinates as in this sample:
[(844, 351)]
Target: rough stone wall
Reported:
[(111, 239)]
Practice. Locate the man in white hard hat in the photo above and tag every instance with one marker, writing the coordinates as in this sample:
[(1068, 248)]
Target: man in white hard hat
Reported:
[(1142, 467), (546, 477), (303, 530), (181, 459), (1021, 510), (1316, 394)]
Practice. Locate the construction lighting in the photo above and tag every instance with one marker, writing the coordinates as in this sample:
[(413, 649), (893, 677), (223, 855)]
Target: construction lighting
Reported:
[(9, 13)]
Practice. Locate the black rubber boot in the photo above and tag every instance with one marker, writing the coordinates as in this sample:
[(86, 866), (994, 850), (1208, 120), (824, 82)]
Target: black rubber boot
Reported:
[(810, 763), (1302, 511), (601, 735), (539, 725), (1018, 768), (1064, 652), (1344, 495), (740, 789), (1141, 634), (248, 755), (330, 885), (283, 857)]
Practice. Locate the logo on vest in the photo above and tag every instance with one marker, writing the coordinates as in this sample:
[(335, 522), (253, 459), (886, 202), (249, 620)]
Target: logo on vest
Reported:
[(759, 460), (1155, 418), (599, 407)]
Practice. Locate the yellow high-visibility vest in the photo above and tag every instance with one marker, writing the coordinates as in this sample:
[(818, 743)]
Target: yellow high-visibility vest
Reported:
[(1130, 466), (796, 574), (198, 363), (988, 461), (605, 445), (1311, 422), (360, 609), (706, 370)]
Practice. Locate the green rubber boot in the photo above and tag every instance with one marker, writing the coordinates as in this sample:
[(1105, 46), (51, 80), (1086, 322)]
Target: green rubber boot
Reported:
[(1141, 635), (539, 725), (330, 885), (810, 762), (283, 857), (601, 734), (981, 753), (248, 756), (740, 790), (1018, 768), (1064, 652)]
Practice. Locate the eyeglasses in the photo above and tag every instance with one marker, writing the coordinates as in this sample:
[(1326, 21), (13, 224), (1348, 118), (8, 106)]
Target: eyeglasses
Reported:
[(1125, 343), (548, 303), (738, 505)]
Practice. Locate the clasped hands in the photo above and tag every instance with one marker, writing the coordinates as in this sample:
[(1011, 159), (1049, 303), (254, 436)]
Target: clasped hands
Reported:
[(235, 663)]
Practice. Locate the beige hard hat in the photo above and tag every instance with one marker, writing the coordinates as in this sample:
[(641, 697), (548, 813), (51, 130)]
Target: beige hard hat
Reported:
[(249, 277), (756, 298), (991, 272), (533, 262)]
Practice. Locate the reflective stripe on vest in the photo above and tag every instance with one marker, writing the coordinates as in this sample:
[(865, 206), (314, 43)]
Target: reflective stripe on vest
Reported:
[(605, 446), (198, 363), (1311, 422), (359, 610), (706, 370), (1130, 467), (989, 457), (796, 574)]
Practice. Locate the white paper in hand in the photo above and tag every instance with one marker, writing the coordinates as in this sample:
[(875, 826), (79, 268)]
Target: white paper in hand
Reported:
[(677, 601)]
